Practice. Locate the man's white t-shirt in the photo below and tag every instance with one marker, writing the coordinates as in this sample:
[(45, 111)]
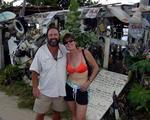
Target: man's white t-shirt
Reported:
[(52, 73)]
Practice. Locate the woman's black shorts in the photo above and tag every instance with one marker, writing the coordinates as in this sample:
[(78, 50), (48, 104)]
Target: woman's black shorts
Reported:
[(81, 97)]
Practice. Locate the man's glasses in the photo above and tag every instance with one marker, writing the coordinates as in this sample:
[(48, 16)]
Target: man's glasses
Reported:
[(69, 41)]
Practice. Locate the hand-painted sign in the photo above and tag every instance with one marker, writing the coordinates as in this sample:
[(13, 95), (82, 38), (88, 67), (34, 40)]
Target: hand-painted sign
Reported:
[(136, 30), (102, 90)]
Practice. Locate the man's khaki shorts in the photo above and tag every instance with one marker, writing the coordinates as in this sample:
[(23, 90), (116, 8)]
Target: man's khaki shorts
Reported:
[(43, 103)]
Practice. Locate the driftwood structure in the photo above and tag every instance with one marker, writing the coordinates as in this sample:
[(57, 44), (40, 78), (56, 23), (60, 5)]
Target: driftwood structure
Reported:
[(31, 9)]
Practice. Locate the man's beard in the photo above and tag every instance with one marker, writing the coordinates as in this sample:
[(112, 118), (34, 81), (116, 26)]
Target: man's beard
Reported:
[(53, 42)]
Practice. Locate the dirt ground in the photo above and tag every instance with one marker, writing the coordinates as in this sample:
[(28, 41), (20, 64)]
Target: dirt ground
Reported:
[(10, 111)]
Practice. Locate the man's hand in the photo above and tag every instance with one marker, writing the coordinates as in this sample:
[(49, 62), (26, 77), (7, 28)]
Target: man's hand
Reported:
[(36, 92)]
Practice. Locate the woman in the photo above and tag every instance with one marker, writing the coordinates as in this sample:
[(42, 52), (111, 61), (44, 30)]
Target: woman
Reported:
[(78, 81)]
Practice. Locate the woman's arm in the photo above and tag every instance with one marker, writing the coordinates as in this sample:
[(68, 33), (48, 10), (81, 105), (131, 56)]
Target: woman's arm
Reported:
[(92, 62), (95, 70)]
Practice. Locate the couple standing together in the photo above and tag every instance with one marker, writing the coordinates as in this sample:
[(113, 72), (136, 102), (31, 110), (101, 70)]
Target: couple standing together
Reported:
[(60, 77)]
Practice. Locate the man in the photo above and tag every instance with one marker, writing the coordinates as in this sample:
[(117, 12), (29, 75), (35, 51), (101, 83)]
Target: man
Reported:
[(49, 76)]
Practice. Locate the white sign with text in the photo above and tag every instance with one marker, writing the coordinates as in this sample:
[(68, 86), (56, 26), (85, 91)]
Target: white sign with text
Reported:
[(102, 90)]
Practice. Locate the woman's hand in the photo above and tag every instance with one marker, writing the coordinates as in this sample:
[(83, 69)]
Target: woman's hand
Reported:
[(85, 85)]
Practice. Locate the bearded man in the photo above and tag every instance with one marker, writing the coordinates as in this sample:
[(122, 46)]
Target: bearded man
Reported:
[(49, 76)]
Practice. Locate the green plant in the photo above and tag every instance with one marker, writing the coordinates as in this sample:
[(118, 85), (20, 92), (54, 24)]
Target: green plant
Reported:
[(143, 66), (11, 82), (130, 60), (73, 25), (9, 74), (26, 99), (85, 39), (140, 97), (5, 5), (139, 94)]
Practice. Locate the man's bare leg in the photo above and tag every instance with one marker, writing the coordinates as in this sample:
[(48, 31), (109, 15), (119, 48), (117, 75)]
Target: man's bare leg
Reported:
[(56, 115), (40, 116)]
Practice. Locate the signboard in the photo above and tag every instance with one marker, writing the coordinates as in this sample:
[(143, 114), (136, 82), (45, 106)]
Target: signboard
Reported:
[(102, 90), (92, 13), (136, 30)]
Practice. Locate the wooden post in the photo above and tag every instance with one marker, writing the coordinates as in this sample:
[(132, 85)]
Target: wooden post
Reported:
[(1, 50), (106, 52), (22, 11), (146, 36)]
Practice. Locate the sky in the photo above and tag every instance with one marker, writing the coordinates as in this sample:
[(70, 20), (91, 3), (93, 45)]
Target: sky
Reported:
[(100, 1), (116, 1)]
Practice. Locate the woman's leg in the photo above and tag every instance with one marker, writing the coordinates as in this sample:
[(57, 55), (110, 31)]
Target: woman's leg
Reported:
[(72, 107), (81, 112)]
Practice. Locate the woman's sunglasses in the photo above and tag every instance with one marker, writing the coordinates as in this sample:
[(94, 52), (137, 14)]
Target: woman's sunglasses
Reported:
[(69, 41)]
